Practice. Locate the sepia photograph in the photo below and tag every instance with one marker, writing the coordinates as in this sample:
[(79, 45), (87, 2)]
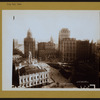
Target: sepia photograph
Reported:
[(50, 49)]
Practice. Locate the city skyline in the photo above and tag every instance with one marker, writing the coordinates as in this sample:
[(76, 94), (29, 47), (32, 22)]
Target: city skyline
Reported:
[(83, 25)]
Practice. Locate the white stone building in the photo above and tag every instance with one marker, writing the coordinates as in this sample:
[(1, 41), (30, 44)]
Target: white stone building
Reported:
[(30, 77)]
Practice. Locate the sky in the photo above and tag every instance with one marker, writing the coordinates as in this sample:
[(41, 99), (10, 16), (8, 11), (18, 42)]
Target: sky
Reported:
[(83, 24)]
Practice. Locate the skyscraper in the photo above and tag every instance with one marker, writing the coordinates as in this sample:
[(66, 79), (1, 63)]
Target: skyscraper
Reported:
[(68, 51), (64, 33), (82, 50), (67, 46), (29, 45)]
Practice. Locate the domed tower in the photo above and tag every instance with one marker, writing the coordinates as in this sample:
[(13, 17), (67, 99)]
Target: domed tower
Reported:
[(29, 44), (64, 33)]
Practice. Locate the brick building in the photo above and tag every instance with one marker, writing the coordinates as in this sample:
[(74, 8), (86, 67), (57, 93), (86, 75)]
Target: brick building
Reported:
[(68, 49), (46, 50)]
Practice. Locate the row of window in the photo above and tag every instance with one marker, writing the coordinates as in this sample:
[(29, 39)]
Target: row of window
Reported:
[(34, 83), (66, 59), (69, 42), (68, 46), (67, 49), (34, 77), (69, 54), (69, 58)]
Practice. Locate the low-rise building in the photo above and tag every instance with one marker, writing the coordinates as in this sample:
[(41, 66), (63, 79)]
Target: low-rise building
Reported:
[(30, 76)]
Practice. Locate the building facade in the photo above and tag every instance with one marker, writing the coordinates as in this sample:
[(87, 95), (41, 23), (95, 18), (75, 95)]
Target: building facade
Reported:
[(34, 77), (41, 50), (97, 58), (92, 52), (29, 45), (66, 46), (83, 48), (68, 49), (46, 50), (64, 33)]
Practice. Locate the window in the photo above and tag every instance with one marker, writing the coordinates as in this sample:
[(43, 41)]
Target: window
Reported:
[(31, 78), (46, 75), (28, 78), (34, 82), (35, 77), (37, 82), (24, 79)]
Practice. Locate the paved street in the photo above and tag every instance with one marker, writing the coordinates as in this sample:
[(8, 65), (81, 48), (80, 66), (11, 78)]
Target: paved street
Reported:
[(58, 81)]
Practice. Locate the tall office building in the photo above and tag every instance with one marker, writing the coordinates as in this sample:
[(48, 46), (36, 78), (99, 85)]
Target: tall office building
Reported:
[(68, 50), (29, 44), (92, 50), (64, 33), (41, 50), (83, 48), (67, 46)]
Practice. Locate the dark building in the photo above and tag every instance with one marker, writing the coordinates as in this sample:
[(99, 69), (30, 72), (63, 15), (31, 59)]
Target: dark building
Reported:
[(92, 51), (46, 50), (68, 50), (82, 50), (98, 46), (29, 45), (97, 57), (41, 50)]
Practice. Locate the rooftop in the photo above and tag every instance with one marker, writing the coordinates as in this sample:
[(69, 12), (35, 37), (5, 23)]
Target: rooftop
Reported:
[(30, 70)]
